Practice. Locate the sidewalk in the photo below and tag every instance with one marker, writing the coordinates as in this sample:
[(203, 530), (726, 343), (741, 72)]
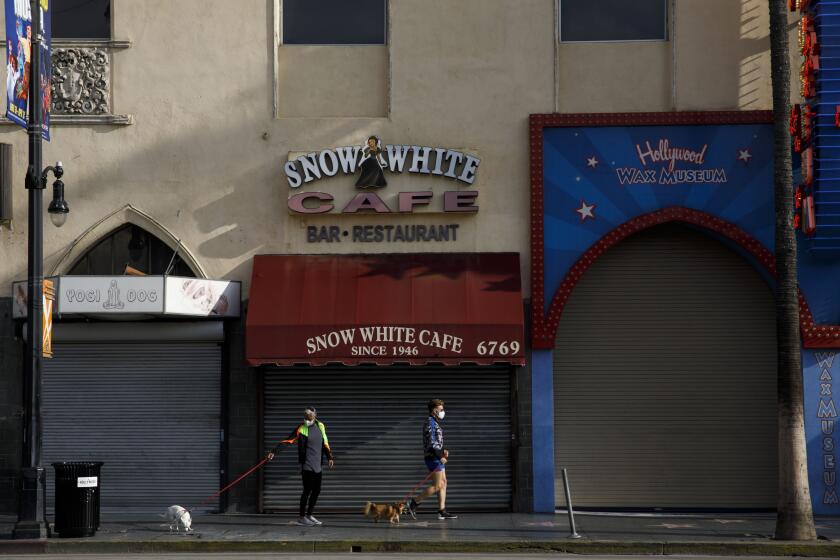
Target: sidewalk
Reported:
[(747, 534)]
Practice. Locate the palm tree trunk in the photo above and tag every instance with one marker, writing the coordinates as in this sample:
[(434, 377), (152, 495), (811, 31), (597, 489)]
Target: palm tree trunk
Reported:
[(795, 519)]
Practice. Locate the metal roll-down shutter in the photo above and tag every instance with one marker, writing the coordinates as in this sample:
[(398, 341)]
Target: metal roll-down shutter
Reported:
[(150, 411), (374, 420), (665, 378)]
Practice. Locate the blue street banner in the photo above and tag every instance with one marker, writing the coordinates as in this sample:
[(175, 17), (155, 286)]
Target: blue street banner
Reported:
[(19, 57)]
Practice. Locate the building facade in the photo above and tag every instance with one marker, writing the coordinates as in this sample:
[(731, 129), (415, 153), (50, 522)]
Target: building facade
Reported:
[(339, 172)]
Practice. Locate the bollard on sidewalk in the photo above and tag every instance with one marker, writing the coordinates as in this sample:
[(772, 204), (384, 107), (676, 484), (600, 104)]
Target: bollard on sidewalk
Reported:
[(574, 534)]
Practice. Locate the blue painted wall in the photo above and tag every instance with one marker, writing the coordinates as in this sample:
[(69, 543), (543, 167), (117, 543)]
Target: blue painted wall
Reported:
[(597, 178), (542, 422), (597, 166)]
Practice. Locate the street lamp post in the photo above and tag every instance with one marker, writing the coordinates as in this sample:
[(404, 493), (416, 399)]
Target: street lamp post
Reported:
[(32, 522)]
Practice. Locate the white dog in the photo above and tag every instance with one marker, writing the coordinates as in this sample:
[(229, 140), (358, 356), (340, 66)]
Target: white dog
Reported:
[(178, 517)]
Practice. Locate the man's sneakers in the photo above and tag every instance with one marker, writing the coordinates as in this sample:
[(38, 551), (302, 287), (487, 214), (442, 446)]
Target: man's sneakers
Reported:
[(412, 506), (313, 519), (305, 522)]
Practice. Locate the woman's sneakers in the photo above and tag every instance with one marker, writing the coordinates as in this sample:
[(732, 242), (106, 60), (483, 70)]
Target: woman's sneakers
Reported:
[(443, 514), (305, 522), (313, 519)]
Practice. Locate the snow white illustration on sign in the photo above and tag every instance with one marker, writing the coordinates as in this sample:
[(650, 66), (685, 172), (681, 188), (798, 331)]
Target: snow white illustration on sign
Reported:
[(371, 166)]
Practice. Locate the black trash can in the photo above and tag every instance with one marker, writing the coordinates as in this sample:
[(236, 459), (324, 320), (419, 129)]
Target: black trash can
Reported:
[(77, 498)]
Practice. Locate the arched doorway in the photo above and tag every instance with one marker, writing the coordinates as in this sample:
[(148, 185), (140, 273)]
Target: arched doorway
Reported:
[(141, 392), (130, 248), (664, 378)]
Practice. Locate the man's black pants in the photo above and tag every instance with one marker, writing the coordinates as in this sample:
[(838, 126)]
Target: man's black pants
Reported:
[(311, 490)]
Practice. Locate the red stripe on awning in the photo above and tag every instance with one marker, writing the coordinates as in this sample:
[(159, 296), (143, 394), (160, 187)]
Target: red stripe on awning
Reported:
[(425, 308)]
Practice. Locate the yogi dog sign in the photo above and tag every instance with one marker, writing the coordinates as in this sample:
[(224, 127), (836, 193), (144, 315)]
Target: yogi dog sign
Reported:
[(372, 164)]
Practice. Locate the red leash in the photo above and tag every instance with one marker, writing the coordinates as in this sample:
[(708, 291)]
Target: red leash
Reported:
[(231, 485), (419, 484), (265, 460)]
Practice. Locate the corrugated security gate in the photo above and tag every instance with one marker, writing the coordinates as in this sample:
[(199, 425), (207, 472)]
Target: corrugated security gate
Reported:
[(374, 420), (665, 378), (149, 411)]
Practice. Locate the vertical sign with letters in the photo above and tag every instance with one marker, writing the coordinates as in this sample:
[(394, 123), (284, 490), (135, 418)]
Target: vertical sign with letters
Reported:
[(49, 299), (820, 367)]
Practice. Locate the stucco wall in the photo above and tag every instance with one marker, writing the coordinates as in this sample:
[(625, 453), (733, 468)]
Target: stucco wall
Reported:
[(320, 81), (204, 157), (722, 54), (717, 57)]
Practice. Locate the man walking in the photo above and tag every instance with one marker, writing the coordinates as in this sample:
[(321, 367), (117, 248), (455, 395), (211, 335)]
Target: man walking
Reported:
[(436, 457), (313, 452)]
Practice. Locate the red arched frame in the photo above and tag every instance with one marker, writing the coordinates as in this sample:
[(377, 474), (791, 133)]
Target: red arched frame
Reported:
[(813, 336)]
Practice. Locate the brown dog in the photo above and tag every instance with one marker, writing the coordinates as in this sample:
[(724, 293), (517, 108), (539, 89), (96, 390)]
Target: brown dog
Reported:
[(391, 512)]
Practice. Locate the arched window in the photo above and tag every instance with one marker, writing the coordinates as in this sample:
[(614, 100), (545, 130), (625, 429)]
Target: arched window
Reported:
[(130, 246)]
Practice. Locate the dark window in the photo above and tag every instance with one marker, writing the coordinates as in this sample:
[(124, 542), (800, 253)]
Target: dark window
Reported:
[(132, 246), (334, 22), (613, 20), (81, 19)]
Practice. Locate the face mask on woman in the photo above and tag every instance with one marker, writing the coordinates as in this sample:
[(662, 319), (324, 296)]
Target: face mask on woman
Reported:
[(441, 414), (309, 422)]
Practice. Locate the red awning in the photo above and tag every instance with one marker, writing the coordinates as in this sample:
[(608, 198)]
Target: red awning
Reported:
[(385, 309)]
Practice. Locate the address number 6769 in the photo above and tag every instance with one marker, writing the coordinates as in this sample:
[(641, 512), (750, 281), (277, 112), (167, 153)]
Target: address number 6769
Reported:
[(498, 348)]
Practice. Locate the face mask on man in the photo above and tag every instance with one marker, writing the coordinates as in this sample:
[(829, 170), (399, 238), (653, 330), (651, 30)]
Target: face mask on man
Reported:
[(441, 414), (309, 422)]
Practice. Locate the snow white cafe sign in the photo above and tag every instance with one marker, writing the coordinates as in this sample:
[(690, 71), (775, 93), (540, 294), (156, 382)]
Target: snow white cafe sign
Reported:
[(363, 175)]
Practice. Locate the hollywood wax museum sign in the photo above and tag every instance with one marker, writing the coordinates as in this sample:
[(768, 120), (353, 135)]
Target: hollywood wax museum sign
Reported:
[(374, 165), (662, 154)]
